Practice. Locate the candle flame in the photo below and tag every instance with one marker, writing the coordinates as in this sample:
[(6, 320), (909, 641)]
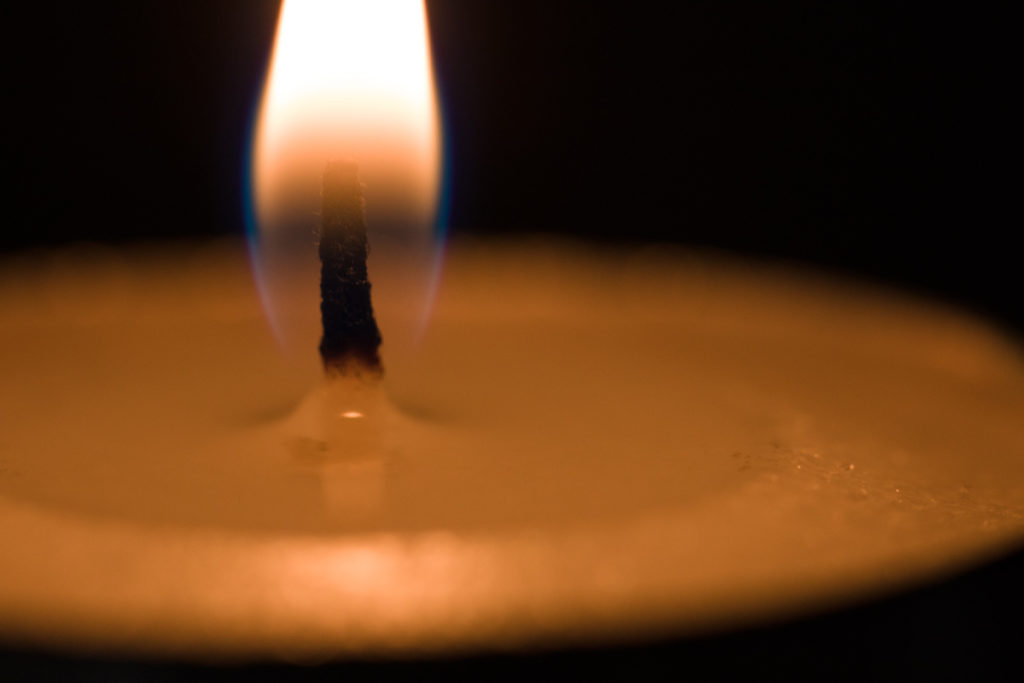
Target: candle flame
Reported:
[(348, 80)]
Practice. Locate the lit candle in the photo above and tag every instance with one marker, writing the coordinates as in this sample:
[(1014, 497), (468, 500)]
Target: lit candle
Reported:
[(583, 445)]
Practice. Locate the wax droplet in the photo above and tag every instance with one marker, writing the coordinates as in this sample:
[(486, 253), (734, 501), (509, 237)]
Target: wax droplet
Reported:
[(345, 418)]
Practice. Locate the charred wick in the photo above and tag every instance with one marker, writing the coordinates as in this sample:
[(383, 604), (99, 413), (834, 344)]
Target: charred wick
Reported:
[(351, 340)]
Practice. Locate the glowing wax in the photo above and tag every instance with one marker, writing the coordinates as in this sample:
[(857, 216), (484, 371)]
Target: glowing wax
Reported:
[(586, 444)]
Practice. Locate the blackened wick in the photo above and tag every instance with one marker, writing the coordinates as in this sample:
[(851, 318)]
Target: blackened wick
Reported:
[(351, 340)]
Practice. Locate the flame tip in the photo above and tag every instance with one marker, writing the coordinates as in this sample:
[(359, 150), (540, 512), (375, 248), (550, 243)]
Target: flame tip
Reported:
[(349, 82)]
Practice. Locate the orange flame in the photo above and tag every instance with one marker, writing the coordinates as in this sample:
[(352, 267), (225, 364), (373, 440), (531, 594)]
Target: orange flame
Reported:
[(349, 79)]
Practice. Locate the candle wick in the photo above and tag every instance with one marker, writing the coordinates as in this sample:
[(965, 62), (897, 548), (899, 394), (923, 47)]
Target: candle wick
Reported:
[(351, 339)]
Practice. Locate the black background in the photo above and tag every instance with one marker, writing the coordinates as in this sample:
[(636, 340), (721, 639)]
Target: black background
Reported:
[(869, 138)]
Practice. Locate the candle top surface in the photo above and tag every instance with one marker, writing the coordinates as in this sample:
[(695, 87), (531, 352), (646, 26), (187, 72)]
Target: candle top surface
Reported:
[(583, 444)]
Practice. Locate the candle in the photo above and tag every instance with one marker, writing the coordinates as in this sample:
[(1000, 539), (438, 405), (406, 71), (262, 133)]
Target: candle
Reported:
[(632, 442)]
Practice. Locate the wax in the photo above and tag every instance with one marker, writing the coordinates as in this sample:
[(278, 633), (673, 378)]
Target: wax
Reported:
[(585, 444)]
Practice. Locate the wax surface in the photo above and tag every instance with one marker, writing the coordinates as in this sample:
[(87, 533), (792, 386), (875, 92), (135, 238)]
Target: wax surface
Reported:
[(585, 444)]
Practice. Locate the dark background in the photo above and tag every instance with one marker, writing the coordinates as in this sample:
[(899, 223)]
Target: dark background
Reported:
[(873, 138), (869, 138)]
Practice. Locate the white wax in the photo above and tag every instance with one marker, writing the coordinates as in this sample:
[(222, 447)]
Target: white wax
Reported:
[(586, 444)]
